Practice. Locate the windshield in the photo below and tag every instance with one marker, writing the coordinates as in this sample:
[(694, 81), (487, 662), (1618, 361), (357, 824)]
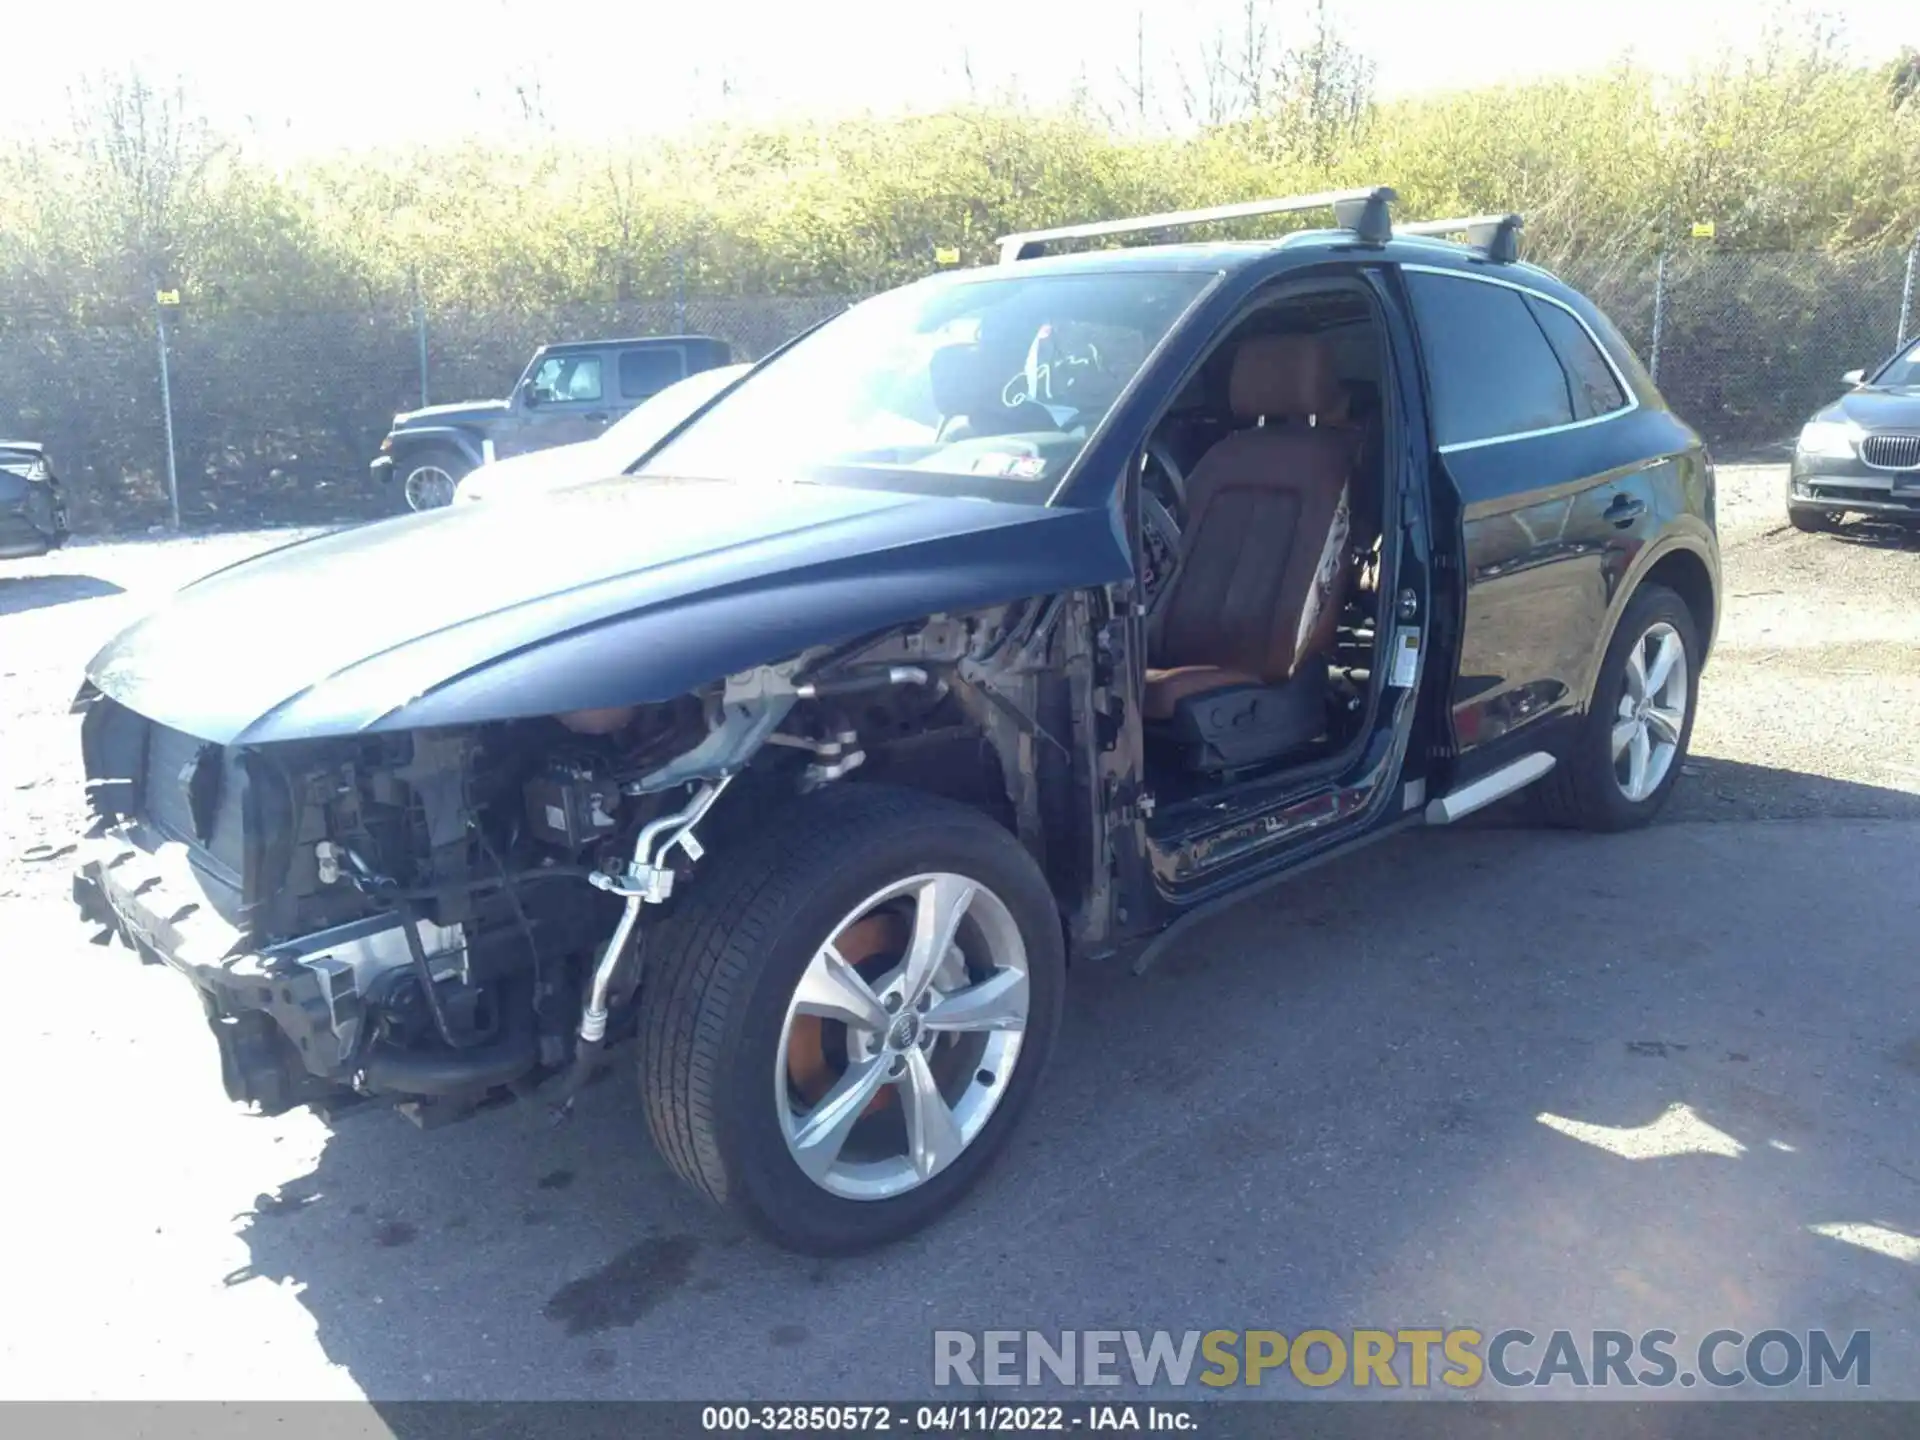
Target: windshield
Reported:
[(982, 386), (1902, 370), (647, 424)]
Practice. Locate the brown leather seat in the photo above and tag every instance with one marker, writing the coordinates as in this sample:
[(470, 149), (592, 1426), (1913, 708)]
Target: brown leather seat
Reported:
[(1264, 559), (1358, 413)]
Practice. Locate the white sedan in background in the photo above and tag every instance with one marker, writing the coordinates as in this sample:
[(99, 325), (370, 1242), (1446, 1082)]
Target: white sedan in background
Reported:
[(623, 445)]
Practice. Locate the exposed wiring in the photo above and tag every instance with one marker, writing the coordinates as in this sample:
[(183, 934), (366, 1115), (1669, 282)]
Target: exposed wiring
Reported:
[(511, 886)]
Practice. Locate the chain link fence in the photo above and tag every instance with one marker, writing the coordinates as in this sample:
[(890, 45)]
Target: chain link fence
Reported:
[(274, 416), (1749, 345)]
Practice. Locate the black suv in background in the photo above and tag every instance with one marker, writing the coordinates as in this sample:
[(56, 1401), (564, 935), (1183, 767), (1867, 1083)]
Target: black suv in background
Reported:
[(567, 393), (1022, 615)]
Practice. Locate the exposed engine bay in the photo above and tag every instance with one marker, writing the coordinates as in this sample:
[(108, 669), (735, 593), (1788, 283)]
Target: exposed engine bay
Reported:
[(437, 919)]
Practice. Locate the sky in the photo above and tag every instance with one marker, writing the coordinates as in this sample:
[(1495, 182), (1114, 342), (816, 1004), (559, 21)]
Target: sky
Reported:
[(373, 72)]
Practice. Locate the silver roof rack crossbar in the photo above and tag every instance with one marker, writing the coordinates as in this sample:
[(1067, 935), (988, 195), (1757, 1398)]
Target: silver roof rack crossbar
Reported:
[(1497, 235), (1365, 212)]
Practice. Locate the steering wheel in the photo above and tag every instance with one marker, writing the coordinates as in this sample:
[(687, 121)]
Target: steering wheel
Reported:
[(1163, 509)]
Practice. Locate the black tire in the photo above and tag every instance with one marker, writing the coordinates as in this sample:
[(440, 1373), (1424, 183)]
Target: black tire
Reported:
[(1580, 792), (1813, 522), (722, 965), (444, 458)]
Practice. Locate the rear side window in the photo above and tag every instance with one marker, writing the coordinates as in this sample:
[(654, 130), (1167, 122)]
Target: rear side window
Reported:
[(1596, 389), (1490, 368), (643, 372)]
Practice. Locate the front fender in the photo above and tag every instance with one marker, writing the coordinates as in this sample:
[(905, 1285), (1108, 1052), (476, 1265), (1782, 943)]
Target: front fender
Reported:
[(461, 438)]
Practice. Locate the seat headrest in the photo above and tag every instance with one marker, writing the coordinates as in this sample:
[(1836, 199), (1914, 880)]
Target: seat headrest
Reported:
[(962, 383), (1282, 377)]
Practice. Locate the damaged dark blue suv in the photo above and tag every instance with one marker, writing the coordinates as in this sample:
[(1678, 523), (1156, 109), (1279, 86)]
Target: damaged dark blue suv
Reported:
[(1014, 618)]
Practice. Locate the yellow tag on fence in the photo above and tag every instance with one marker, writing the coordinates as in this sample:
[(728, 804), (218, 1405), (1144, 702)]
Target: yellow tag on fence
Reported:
[(946, 255), (1703, 229)]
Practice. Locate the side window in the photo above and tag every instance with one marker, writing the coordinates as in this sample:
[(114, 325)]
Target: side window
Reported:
[(1491, 370), (583, 381), (646, 372), (1596, 389), (568, 377)]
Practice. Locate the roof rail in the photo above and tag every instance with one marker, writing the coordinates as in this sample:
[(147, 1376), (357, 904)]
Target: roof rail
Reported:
[(1365, 212), (1497, 235)]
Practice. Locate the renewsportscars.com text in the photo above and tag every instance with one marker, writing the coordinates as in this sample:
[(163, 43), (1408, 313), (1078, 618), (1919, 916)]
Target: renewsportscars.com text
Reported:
[(1417, 1359)]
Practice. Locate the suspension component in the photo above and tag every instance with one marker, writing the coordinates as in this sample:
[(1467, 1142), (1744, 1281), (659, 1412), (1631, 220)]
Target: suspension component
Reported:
[(647, 880)]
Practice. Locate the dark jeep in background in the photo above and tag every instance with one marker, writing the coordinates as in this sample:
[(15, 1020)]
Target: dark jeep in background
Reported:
[(1021, 615), (33, 513), (567, 393)]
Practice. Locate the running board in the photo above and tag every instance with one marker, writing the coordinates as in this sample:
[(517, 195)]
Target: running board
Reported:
[(1489, 788)]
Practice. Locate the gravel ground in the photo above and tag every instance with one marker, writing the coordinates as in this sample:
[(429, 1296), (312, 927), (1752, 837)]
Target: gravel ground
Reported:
[(1807, 705), (1356, 1103)]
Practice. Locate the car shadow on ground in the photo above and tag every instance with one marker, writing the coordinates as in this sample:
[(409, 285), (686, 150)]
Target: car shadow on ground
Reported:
[(1713, 789), (1878, 535), (21, 593), (1488, 1077)]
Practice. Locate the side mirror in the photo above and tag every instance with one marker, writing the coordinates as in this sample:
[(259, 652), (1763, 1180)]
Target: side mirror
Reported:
[(529, 395), (1853, 377)]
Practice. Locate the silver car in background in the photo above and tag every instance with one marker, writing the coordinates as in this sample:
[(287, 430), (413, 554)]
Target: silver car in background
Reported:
[(624, 445), (33, 513)]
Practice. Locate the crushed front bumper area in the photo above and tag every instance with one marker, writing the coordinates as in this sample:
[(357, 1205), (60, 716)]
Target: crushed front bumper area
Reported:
[(292, 1021)]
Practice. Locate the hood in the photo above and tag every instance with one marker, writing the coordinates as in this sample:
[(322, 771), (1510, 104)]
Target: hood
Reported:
[(467, 411), (614, 592), (1893, 408), (538, 471)]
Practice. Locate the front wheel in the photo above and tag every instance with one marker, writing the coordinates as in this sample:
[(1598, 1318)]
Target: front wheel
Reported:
[(842, 1021), (430, 476), (1627, 753)]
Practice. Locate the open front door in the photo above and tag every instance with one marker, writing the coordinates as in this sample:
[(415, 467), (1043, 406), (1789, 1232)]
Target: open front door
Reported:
[(1225, 815)]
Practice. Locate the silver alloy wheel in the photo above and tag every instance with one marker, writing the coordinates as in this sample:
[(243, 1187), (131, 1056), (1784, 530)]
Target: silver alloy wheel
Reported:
[(941, 1030), (1652, 712), (429, 487)]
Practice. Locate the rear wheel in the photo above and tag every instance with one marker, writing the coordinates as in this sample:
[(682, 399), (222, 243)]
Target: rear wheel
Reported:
[(430, 475), (1627, 754), (843, 1021)]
